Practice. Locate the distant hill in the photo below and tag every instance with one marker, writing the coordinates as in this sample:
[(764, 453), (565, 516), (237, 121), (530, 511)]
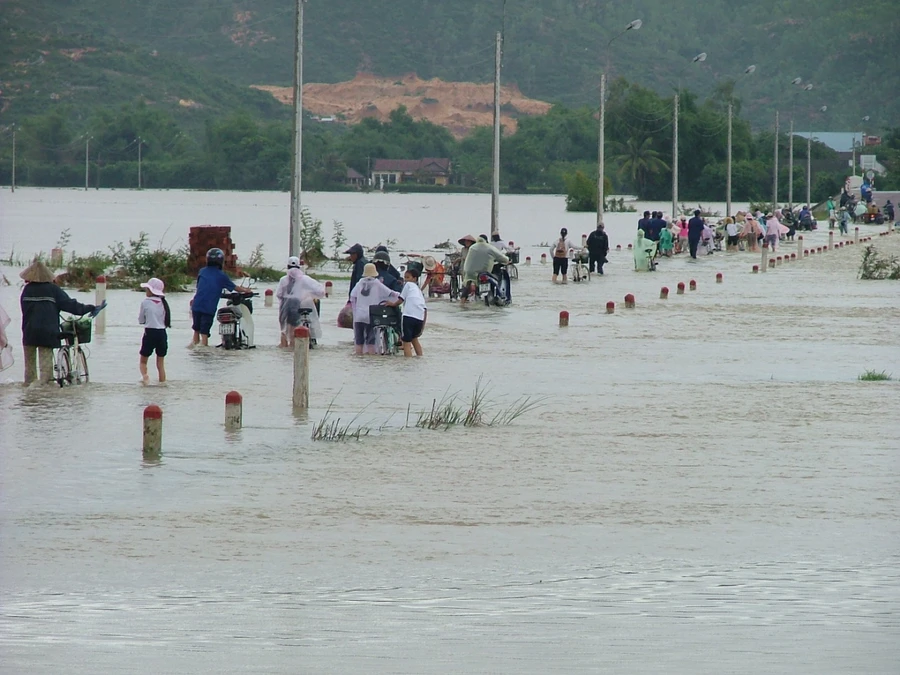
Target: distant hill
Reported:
[(553, 52)]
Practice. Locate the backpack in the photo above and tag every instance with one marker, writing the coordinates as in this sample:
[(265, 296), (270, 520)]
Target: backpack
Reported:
[(561, 251)]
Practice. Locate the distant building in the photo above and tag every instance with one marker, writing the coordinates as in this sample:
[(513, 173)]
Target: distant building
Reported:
[(354, 177), (427, 171)]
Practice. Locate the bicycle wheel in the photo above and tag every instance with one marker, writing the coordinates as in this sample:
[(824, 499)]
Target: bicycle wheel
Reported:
[(588, 277), (80, 371), (394, 344), (381, 344), (62, 368), (513, 272), (454, 287)]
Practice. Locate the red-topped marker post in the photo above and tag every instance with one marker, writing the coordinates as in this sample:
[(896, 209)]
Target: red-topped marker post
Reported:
[(152, 431), (234, 411)]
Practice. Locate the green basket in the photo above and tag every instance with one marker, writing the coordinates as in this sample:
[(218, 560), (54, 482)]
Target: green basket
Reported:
[(80, 328)]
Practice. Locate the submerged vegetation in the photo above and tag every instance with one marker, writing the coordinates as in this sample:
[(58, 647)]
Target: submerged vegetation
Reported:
[(878, 268), (449, 411), (875, 376)]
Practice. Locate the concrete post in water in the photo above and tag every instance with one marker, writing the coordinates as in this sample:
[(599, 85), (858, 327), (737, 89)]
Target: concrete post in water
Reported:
[(234, 411), (719, 278), (583, 241), (765, 257), (328, 288), (692, 285), (563, 319), (629, 301), (301, 368), (772, 263), (756, 269), (856, 235), (610, 307), (269, 298), (799, 245), (831, 239), (152, 431), (618, 247), (680, 288), (99, 298), (664, 293), (543, 258), (528, 261)]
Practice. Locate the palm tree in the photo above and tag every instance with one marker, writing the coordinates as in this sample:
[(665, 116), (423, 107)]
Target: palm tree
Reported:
[(638, 161)]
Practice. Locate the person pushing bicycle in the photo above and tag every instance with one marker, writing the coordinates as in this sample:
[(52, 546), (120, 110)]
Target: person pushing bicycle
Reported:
[(42, 301)]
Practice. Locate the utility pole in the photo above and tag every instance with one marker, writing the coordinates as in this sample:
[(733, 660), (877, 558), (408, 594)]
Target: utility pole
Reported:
[(791, 167), (808, 169), (140, 178), (728, 176), (675, 160), (87, 150), (775, 177), (13, 188), (495, 178), (601, 149), (296, 169)]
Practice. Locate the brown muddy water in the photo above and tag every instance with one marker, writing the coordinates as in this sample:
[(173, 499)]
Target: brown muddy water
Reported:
[(707, 487)]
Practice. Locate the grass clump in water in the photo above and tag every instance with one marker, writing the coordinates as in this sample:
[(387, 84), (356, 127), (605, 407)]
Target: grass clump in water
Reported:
[(333, 429), (450, 411), (875, 376)]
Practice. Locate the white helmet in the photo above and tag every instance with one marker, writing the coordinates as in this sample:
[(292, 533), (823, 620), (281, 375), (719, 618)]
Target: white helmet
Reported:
[(293, 262)]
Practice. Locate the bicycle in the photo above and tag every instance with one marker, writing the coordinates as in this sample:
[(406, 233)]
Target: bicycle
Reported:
[(580, 270), (70, 365), (511, 268), (385, 324)]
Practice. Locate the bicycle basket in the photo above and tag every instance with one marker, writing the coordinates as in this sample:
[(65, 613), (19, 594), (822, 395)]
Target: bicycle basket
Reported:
[(382, 315), (80, 328), (513, 257)]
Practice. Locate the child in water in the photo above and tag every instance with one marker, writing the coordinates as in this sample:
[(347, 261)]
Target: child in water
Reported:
[(414, 312), (155, 317)]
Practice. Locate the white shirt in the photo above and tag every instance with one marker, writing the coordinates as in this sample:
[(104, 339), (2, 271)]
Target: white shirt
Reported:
[(153, 313), (413, 301), (731, 229)]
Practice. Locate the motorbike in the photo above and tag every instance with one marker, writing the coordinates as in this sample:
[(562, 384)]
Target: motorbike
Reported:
[(236, 321), (493, 287)]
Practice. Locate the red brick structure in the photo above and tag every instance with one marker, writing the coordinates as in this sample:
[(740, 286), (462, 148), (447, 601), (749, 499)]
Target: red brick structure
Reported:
[(204, 237)]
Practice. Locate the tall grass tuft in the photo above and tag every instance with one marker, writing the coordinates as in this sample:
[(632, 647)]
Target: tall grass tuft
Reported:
[(333, 429), (449, 410), (875, 376)]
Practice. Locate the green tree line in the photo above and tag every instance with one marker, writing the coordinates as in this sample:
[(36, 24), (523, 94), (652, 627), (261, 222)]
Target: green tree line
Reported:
[(240, 152)]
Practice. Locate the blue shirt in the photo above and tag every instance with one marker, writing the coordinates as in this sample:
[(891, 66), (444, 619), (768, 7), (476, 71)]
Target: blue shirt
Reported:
[(210, 283)]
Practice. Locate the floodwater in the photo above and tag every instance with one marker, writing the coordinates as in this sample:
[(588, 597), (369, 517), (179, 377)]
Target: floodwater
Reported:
[(707, 488)]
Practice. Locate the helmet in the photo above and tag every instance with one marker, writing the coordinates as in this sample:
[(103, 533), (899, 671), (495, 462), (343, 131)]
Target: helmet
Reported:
[(382, 257), (215, 257), (293, 262)]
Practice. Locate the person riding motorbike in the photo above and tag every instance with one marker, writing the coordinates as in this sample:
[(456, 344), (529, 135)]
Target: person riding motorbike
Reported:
[(297, 291), (480, 259)]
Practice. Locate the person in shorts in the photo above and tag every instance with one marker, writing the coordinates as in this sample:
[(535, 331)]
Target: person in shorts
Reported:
[(414, 313), (210, 283), (560, 253), (155, 317)]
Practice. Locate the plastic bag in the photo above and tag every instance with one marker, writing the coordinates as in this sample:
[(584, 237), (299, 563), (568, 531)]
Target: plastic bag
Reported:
[(345, 317)]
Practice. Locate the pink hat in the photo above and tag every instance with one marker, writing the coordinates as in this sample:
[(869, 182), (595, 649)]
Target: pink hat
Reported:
[(155, 286)]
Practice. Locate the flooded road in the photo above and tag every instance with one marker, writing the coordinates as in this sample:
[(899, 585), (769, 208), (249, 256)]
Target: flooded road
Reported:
[(706, 488)]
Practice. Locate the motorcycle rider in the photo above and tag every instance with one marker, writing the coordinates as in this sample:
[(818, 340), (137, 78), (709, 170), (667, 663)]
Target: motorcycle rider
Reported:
[(297, 291), (211, 281), (480, 259)]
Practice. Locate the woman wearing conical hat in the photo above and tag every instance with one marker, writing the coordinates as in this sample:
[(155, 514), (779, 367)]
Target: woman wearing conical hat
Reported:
[(42, 301)]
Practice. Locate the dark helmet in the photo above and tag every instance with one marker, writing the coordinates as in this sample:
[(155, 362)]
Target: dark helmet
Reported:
[(215, 257), (382, 257)]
